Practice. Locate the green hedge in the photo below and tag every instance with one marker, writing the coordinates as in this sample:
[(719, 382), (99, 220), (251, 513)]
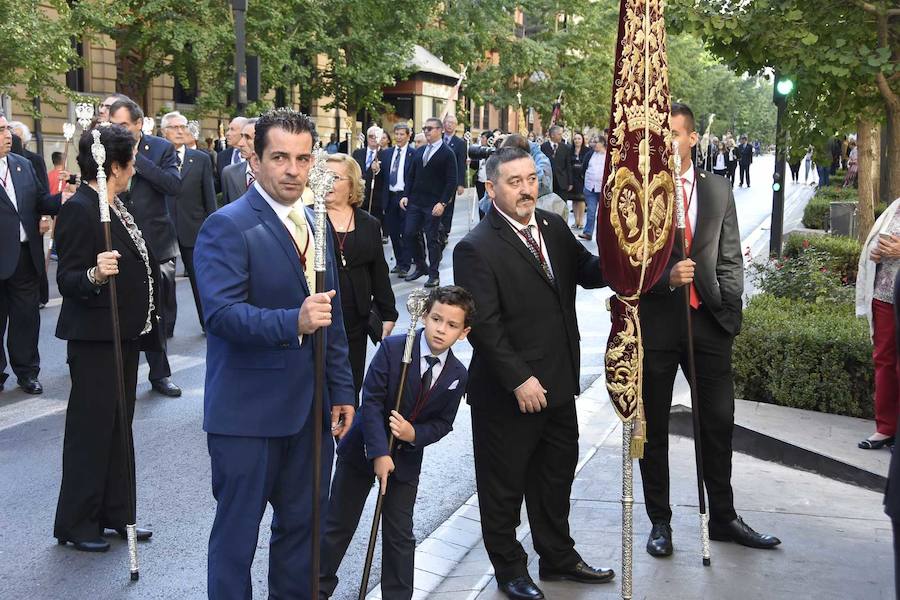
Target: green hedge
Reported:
[(814, 356), (816, 214), (842, 253)]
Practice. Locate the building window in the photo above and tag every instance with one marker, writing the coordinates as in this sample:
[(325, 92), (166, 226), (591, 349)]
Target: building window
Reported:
[(402, 105), (437, 107), (504, 120), (75, 77), (281, 97)]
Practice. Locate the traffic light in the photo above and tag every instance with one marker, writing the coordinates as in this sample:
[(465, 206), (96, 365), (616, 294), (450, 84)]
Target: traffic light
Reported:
[(784, 86)]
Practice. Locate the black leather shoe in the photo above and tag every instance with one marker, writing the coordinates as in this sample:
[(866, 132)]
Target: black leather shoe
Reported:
[(416, 275), (432, 282), (98, 545), (660, 541), (402, 273), (396, 269), (741, 533), (521, 588), (142, 534), (581, 572), (165, 387), (30, 385)]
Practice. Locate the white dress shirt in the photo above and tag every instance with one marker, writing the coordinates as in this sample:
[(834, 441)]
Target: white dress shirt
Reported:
[(431, 150), (425, 350), (281, 211), (688, 180), (7, 180), (535, 232), (593, 175), (401, 183)]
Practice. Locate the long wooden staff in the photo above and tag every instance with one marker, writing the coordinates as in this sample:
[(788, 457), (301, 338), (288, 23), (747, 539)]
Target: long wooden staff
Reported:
[(680, 222), (321, 181), (415, 304), (99, 153)]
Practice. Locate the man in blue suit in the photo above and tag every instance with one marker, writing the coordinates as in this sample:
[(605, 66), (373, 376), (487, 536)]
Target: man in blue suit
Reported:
[(156, 176), (431, 187), (398, 162), (253, 261), (435, 384), (23, 199)]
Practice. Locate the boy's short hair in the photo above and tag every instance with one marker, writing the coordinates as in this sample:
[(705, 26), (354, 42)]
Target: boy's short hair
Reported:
[(453, 295)]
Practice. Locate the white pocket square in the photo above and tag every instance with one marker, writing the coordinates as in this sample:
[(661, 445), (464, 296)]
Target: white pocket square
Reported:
[(453, 385)]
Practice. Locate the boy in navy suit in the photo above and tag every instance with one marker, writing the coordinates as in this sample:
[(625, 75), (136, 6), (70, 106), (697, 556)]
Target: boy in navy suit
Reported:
[(435, 384)]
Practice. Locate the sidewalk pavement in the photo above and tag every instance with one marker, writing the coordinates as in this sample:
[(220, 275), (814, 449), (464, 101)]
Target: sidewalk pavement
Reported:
[(836, 540)]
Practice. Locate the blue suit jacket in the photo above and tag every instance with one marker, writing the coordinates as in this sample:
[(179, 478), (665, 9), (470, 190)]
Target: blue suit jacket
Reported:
[(368, 438), (259, 377), (33, 200), (156, 176), (386, 156)]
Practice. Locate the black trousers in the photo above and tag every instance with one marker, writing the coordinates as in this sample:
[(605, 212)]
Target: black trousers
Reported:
[(715, 391), (745, 173), (447, 217), (159, 360), (95, 485), (19, 305), (394, 224), (895, 526), (187, 257), (349, 491), (356, 341), (530, 456), (419, 220)]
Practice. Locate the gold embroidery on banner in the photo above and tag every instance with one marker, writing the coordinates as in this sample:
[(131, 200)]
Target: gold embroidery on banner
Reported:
[(627, 208), (623, 365)]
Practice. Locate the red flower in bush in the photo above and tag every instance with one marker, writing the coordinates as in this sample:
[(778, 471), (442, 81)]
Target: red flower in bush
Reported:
[(805, 244)]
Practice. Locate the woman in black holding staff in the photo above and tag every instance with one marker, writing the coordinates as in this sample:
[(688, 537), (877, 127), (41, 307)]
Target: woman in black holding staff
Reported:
[(366, 295), (94, 495)]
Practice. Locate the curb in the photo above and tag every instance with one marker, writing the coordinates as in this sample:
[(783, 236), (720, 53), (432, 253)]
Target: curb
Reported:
[(440, 554), (765, 447)]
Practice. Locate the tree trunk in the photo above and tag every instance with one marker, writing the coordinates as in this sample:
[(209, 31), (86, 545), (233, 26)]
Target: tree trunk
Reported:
[(867, 132), (893, 154)]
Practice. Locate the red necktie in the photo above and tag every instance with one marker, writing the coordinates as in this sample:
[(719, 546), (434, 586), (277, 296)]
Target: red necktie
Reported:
[(688, 239)]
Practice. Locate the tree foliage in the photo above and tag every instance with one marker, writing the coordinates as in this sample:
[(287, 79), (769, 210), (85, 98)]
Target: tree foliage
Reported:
[(843, 55), (38, 46)]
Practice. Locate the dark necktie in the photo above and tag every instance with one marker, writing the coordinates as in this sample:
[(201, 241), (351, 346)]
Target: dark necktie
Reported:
[(395, 166), (179, 162), (429, 372), (554, 146), (426, 387), (536, 252)]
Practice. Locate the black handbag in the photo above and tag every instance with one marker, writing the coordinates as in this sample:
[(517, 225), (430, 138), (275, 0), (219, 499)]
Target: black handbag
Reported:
[(374, 326)]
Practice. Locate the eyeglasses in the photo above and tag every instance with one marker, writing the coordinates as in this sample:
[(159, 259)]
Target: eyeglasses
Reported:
[(177, 127), (429, 128), (339, 178)]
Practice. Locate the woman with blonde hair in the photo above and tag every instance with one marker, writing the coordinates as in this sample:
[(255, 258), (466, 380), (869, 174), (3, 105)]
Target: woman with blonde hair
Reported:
[(366, 296)]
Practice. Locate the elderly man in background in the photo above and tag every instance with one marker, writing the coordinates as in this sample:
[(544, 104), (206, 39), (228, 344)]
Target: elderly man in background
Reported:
[(195, 200)]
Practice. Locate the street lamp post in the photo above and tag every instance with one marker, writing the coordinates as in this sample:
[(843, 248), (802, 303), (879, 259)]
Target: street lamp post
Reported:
[(783, 87), (240, 60)]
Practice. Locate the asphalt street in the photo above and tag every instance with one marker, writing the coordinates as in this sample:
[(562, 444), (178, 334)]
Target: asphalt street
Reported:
[(173, 473)]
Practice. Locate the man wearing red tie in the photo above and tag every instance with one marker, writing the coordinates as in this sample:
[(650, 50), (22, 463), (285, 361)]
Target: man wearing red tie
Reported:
[(714, 268)]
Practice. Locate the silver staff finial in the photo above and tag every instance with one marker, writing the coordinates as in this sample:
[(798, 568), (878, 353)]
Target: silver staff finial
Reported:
[(84, 113), (148, 125), (68, 131), (415, 303), (321, 182), (98, 150)]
